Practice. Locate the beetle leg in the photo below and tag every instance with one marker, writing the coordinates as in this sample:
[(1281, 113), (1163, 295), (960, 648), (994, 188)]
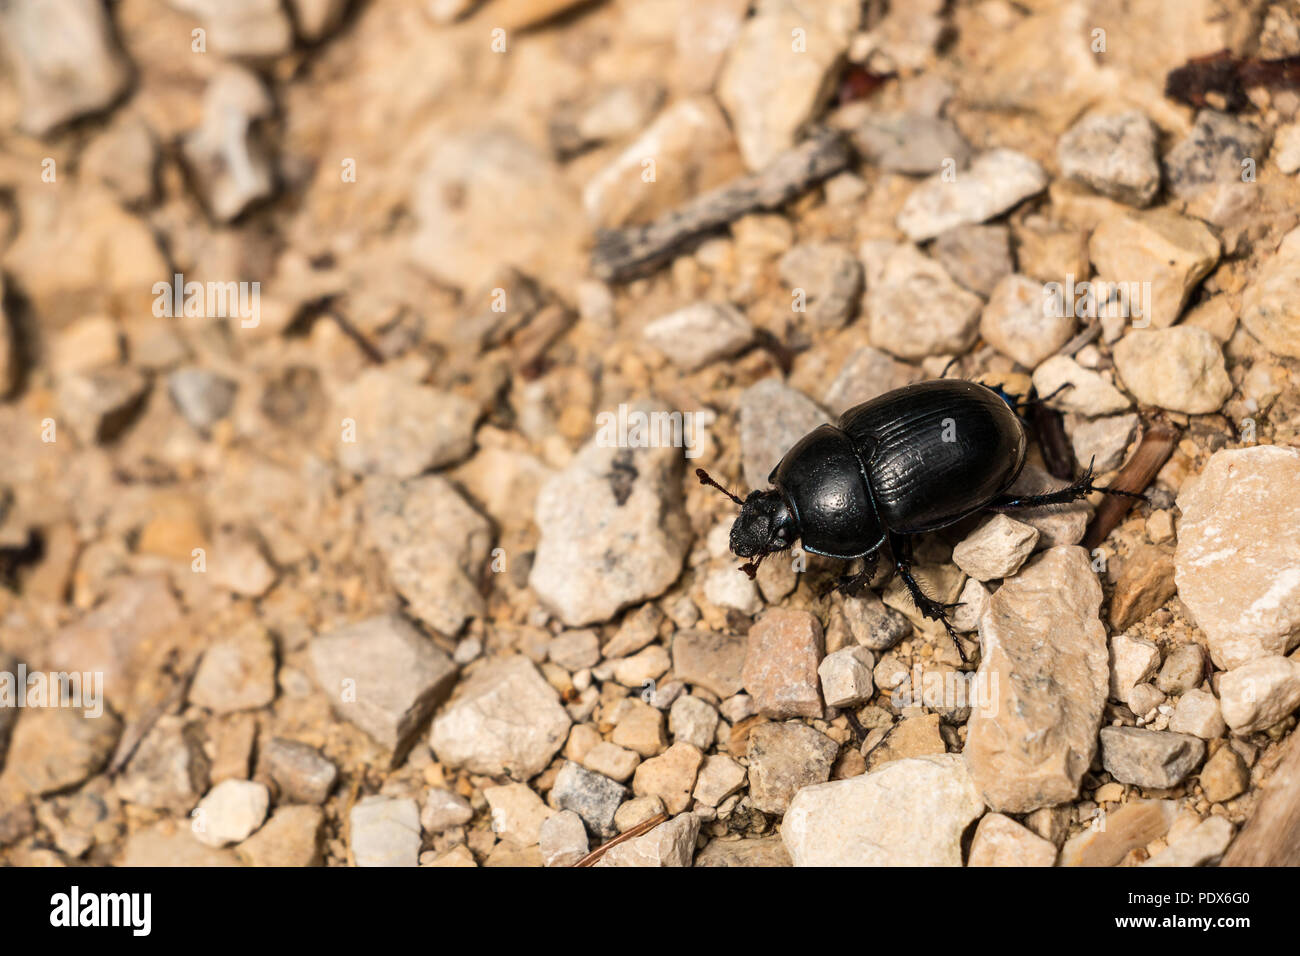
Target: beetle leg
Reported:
[(849, 583), (930, 609), (1080, 489)]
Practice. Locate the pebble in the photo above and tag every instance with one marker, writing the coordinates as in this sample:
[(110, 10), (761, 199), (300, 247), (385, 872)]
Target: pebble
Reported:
[(911, 143), (913, 306), (1211, 154), (82, 71), (385, 677), (670, 776), (563, 839), (910, 737), (517, 813), (397, 427), (1270, 305), (1198, 713), (780, 673), (1259, 693), (783, 759), (610, 760), (99, 405), (727, 587), (1203, 845), (1144, 583), (1018, 323), (1149, 758), (910, 812), (576, 650), (1224, 776), (693, 721), (692, 146), (1170, 251), (444, 809), (202, 396), (591, 796), (236, 674), (1237, 564), (1043, 678), (672, 843), (866, 373), (976, 256), (764, 851), (846, 677), (1110, 837), (1144, 699), (165, 844), (1132, 661), (972, 601), (874, 626), (505, 719), (700, 334), (237, 563), (995, 549), (169, 769), (1090, 393), (613, 531), (385, 831), (720, 776), (1001, 841), (230, 811), (830, 278), (1102, 441), (995, 182), (229, 157), (292, 837), (1180, 369), (56, 748), (638, 629), (641, 729), (636, 811), (643, 667), (773, 417), (769, 88), (298, 770), (1115, 154)]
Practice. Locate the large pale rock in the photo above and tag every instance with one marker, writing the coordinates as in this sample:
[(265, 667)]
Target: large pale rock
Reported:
[(911, 812), (1043, 680), (1180, 369), (64, 58), (1270, 306), (613, 530), (1170, 251), (1258, 694), (995, 181), (780, 72), (384, 676), (434, 544), (487, 198), (1237, 565), (913, 306), (506, 719)]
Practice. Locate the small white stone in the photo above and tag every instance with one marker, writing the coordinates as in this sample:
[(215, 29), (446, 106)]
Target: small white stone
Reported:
[(1198, 714), (563, 839), (846, 676), (996, 549), (1257, 695), (693, 720), (231, 811), (700, 333), (1132, 661)]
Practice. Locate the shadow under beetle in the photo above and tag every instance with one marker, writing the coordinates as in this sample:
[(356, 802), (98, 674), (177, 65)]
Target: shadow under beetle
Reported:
[(913, 460)]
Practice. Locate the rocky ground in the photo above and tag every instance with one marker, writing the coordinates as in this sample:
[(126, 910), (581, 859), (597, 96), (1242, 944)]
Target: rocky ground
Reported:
[(367, 583)]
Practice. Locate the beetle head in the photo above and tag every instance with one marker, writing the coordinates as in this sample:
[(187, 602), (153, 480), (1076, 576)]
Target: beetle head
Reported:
[(765, 524)]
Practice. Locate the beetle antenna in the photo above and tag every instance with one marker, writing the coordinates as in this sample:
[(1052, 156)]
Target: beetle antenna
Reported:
[(703, 475)]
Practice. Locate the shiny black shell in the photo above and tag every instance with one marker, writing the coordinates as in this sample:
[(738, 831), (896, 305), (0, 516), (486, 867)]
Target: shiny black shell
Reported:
[(915, 459)]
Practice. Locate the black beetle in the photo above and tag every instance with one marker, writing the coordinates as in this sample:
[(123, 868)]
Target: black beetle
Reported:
[(916, 459)]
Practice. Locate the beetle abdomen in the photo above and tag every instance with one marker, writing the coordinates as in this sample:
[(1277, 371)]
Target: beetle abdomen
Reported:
[(943, 449)]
